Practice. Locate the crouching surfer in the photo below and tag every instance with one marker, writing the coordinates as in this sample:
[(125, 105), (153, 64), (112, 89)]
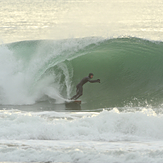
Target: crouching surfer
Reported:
[(79, 87)]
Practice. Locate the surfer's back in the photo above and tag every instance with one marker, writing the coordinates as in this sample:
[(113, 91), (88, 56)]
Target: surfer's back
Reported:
[(83, 81)]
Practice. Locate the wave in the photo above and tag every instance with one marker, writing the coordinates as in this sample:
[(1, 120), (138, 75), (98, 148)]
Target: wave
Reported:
[(110, 125), (130, 136), (130, 70)]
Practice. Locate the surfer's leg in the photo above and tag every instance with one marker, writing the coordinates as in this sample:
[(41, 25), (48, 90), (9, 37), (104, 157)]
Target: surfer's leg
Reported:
[(77, 93), (80, 93), (72, 98)]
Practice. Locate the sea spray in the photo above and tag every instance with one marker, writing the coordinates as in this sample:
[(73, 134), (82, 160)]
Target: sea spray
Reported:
[(31, 68)]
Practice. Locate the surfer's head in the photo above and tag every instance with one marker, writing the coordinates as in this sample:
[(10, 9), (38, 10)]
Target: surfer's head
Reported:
[(91, 75)]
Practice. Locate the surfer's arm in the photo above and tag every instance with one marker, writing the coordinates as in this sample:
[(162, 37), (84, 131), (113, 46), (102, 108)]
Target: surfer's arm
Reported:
[(94, 81)]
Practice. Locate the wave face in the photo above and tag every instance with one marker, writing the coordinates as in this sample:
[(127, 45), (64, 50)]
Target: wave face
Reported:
[(130, 69)]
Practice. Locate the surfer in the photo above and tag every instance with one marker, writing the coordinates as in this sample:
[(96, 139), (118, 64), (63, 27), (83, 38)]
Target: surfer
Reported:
[(79, 87)]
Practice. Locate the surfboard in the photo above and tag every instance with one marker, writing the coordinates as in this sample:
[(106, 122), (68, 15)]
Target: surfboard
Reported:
[(73, 101)]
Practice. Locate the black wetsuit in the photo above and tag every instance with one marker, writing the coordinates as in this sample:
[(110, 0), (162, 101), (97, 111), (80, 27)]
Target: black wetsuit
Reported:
[(79, 87)]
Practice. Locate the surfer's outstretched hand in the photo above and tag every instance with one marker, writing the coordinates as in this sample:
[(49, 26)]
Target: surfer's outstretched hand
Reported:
[(98, 80)]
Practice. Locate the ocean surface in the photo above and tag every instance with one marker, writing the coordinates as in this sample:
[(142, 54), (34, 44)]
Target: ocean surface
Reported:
[(47, 47)]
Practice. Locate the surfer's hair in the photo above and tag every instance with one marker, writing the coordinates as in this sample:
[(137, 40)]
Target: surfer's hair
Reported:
[(90, 74)]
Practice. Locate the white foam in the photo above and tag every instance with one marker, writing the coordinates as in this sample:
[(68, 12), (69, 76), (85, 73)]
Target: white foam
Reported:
[(24, 81), (82, 137), (107, 125), (81, 151)]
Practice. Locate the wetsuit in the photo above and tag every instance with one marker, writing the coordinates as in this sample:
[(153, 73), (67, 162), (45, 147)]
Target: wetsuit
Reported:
[(79, 87)]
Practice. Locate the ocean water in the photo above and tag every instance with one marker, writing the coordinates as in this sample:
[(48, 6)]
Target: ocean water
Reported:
[(47, 47)]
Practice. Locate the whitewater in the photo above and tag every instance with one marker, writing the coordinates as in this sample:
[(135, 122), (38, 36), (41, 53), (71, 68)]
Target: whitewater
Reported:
[(47, 47)]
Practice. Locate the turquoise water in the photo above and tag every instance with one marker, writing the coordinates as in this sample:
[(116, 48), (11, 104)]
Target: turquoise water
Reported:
[(130, 70)]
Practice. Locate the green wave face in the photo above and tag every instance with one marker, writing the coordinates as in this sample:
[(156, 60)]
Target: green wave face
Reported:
[(130, 69)]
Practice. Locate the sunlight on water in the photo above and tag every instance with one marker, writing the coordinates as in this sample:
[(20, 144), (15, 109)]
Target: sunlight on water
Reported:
[(29, 20)]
